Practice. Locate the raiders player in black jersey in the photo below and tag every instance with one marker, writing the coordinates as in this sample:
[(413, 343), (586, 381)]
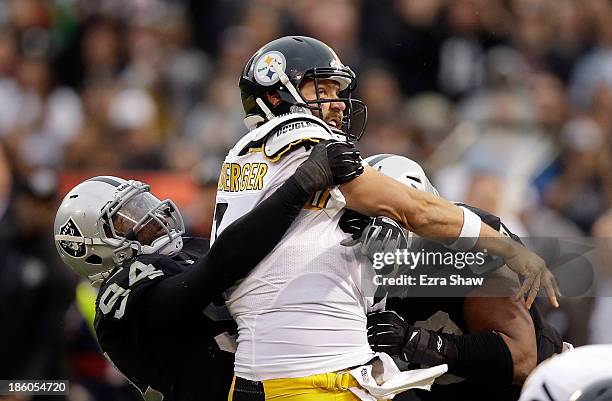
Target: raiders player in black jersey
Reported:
[(155, 283), (490, 356), (480, 355)]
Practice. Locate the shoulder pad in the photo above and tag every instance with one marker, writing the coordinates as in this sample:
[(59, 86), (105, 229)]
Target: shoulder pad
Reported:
[(294, 132), (277, 136)]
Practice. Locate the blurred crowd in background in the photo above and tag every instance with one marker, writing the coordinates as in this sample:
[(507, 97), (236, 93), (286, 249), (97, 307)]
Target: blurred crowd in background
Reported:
[(506, 103)]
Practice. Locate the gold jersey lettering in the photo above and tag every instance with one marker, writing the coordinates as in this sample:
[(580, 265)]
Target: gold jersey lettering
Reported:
[(226, 168), (221, 184), (235, 178), (244, 183), (234, 186), (261, 172)]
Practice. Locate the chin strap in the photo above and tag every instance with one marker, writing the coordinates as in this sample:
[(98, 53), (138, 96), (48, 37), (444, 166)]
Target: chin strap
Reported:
[(287, 82), (97, 279), (164, 246), (265, 109)]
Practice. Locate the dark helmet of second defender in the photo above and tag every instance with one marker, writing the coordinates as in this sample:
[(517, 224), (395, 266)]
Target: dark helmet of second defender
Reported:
[(281, 66)]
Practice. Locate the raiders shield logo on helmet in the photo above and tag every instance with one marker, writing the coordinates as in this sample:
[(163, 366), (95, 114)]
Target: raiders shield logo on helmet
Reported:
[(75, 249)]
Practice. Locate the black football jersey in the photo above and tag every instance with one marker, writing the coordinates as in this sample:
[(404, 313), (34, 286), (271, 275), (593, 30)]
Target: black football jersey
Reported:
[(185, 364)]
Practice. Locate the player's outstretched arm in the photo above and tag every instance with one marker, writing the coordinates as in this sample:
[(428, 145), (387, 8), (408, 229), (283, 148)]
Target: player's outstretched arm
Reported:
[(429, 216), (243, 244)]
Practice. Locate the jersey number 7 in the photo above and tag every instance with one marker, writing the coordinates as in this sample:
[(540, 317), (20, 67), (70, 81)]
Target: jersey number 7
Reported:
[(220, 210)]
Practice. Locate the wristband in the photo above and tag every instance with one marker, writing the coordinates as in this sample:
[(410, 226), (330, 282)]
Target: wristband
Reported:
[(470, 231)]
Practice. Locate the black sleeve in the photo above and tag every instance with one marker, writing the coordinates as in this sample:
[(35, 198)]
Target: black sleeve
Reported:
[(482, 356), (237, 250)]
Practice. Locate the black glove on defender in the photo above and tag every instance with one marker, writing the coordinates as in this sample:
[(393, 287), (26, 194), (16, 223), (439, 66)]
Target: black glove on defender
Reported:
[(388, 332), (330, 163)]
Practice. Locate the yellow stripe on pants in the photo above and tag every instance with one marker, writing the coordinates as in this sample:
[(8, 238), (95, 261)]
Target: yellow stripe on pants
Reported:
[(321, 387), (230, 396)]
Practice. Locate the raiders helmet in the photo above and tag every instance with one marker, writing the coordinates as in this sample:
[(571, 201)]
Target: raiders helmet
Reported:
[(281, 66), (580, 374), (97, 223), (404, 170), (598, 391)]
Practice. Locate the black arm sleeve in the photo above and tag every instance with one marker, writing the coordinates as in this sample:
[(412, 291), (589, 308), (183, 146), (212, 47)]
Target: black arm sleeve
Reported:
[(482, 356), (238, 249)]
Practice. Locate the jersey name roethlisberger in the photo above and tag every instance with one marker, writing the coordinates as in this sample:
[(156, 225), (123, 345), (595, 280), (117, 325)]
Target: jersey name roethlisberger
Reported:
[(235, 177)]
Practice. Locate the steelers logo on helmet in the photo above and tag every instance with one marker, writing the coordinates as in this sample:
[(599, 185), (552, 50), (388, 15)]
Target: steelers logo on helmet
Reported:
[(266, 67)]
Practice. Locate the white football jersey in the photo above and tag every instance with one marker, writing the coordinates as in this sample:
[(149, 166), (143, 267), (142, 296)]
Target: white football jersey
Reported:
[(302, 310), (565, 376)]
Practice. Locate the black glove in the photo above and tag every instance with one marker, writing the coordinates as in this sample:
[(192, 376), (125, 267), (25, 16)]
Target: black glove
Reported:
[(344, 160), (381, 235), (388, 332), (354, 223), (330, 163)]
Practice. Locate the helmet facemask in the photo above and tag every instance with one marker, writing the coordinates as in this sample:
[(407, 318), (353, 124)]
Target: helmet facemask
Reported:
[(136, 222), (355, 113), (354, 116)]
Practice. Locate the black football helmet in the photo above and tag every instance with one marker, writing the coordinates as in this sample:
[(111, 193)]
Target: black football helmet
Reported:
[(281, 66)]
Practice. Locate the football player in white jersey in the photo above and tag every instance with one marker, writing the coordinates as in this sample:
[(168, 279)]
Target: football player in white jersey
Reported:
[(301, 313)]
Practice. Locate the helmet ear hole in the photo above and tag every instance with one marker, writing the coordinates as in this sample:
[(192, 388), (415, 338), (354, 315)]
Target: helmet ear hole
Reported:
[(94, 260), (273, 98)]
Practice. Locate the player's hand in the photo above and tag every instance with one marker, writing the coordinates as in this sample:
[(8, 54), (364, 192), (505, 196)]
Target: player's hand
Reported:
[(535, 274), (381, 235), (354, 223), (329, 163), (344, 160), (387, 332)]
